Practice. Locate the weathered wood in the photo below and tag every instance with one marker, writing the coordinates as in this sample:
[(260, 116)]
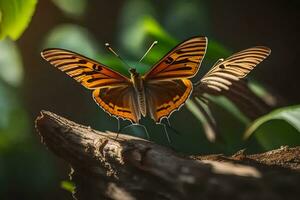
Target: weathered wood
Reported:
[(131, 168)]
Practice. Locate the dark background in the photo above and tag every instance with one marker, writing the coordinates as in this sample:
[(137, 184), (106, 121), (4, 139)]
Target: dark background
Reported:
[(235, 24)]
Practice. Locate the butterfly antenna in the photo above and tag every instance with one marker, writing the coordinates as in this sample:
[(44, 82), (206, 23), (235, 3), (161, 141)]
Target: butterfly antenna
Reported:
[(107, 45), (152, 45)]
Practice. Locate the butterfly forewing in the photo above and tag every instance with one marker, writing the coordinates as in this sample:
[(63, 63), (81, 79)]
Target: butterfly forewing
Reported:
[(233, 68), (181, 62), (88, 72)]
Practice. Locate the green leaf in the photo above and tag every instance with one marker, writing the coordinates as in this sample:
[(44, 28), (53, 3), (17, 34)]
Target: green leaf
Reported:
[(280, 127), (68, 185), (15, 17)]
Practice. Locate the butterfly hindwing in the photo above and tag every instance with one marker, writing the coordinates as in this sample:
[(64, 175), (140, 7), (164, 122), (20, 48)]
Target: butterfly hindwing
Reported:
[(164, 97), (183, 61), (119, 102), (88, 72), (235, 67)]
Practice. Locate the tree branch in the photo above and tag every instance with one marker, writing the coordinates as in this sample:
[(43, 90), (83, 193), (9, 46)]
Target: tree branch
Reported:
[(132, 168)]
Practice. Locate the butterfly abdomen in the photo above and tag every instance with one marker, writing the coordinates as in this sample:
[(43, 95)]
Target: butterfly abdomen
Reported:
[(139, 89), (142, 101)]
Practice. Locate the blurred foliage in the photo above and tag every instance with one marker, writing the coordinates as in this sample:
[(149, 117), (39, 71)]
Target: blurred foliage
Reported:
[(263, 93), (19, 153), (15, 17), (73, 37), (180, 15), (10, 63), (68, 185), (11, 113), (72, 8)]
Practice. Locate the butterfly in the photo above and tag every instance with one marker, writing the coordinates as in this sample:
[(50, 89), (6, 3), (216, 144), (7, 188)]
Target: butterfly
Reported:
[(226, 72), (162, 90), (224, 78)]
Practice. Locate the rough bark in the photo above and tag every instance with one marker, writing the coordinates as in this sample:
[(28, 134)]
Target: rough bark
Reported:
[(106, 167)]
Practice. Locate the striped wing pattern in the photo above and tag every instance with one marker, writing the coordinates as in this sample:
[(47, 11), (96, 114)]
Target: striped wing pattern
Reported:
[(119, 102), (113, 92), (88, 72), (181, 62), (164, 97), (233, 68)]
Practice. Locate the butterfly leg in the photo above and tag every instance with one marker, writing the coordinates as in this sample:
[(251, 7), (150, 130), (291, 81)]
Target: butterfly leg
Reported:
[(167, 134), (130, 125), (167, 126), (148, 137), (120, 128)]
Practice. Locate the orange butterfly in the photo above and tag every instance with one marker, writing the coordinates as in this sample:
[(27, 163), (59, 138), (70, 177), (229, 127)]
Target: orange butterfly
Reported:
[(158, 93)]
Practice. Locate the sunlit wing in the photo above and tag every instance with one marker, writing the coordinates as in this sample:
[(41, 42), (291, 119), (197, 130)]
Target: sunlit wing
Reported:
[(164, 97), (119, 102), (88, 72), (235, 67), (181, 62), (113, 92)]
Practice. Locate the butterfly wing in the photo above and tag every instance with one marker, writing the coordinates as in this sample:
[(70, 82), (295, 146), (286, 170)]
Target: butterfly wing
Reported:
[(164, 97), (88, 72), (235, 67), (166, 84), (113, 92), (183, 61), (119, 102)]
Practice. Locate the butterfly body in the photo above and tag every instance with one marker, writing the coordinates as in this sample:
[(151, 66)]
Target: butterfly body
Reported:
[(139, 90)]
